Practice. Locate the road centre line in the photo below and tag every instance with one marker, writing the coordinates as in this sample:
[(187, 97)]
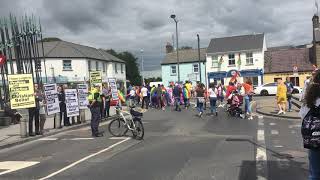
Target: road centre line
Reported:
[(84, 159)]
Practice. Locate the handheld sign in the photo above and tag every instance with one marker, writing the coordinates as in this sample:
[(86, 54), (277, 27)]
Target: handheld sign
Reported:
[(83, 96), (51, 94), (72, 103)]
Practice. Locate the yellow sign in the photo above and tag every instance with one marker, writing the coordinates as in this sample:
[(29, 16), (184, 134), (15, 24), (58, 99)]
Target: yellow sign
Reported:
[(95, 77), (21, 91)]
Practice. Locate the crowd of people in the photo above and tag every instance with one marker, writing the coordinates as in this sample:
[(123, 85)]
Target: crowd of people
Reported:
[(178, 95)]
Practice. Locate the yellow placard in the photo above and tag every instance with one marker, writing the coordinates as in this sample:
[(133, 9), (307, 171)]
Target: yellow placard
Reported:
[(95, 77), (21, 91)]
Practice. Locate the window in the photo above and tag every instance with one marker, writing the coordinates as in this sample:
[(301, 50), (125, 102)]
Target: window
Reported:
[(173, 70), (195, 68), (115, 67), (97, 65), (89, 65), (67, 65), (294, 81), (215, 62), (121, 68), (276, 80), (104, 67), (232, 60), (249, 58)]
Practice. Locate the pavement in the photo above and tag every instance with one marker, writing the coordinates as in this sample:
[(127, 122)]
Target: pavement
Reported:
[(267, 105), (177, 145), (10, 135)]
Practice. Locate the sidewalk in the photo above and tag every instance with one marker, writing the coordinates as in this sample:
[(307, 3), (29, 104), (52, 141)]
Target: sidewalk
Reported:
[(10, 135), (267, 106)]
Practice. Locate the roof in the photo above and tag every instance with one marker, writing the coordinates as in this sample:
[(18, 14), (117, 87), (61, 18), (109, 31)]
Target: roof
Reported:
[(185, 56), (236, 43), (278, 61), (64, 49)]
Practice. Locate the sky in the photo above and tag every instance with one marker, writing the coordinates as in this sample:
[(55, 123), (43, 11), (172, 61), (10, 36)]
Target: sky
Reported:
[(132, 25)]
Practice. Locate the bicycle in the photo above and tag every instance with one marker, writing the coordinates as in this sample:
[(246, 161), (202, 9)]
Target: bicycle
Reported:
[(121, 125)]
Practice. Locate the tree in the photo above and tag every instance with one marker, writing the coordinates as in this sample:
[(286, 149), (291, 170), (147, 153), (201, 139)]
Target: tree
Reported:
[(132, 70), (50, 39), (185, 47), (153, 79)]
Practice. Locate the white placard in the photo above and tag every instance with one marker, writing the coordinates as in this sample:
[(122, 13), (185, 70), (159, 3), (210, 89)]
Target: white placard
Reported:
[(72, 102), (51, 94), (83, 96), (114, 90)]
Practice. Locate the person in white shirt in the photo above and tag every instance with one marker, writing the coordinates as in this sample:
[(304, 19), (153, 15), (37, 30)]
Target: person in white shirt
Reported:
[(132, 96), (213, 94), (145, 99)]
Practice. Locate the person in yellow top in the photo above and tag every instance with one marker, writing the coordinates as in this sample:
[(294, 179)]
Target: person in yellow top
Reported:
[(281, 97)]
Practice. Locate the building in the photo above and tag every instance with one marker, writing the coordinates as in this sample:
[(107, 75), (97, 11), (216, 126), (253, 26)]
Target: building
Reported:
[(316, 41), (243, 54), (67, 62), (294, 63), (189, 66)]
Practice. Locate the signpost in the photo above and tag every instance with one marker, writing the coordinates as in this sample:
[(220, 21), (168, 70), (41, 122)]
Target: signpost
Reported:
[(295, 74), (21, 91), (51, 94), (72, 102)]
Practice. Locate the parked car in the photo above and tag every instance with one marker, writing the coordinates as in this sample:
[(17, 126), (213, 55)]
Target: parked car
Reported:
[(271, 89)]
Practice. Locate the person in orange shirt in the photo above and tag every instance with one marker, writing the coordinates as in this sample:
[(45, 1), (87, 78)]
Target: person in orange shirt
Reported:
[(281, 97), (248, 91)]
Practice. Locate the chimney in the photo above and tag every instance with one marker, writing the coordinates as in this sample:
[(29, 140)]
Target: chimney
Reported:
[(169, 48)]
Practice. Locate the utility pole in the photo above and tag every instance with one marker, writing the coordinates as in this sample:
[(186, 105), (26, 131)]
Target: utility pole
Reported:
[(173, 16), (199, 57)]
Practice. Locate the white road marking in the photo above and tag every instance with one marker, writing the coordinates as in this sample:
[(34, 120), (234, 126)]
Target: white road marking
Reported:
[(75, 139), (278, 146), (84, 159), (293, 132), (118, 138), (272, 124), (261, 156), (11, 166), (274, 132), (48, 139), (295, 126)]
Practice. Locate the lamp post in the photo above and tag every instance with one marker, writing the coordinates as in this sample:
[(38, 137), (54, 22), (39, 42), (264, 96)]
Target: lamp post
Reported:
[(142, 69), (199, 57), (173, 16)]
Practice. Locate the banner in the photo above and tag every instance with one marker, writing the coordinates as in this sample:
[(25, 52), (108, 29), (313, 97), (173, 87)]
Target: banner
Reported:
[(21, 91), (83, 96), (114, 89), (95, 77), (72, 102), (51, 94)]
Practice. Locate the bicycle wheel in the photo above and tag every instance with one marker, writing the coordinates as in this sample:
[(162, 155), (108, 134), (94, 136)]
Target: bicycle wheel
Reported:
[(117, 128), (138, 133)]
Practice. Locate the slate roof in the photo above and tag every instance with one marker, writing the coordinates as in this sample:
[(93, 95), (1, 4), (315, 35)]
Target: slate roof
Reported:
[(64, 49), (236, 43), (185, 56), (279, 61)]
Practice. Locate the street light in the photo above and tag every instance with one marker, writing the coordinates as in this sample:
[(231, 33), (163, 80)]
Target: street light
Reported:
[(198, 37), (173, 16), (142, 69)]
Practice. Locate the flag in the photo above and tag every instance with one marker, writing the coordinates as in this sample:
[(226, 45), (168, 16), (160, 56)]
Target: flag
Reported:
[(121, 97)]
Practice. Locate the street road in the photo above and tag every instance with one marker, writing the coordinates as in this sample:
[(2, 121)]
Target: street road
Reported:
[(177, 146)]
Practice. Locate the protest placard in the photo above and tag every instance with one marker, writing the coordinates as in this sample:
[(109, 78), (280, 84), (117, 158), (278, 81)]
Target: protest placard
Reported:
[(83, 96), (52, 100), (72, 102)]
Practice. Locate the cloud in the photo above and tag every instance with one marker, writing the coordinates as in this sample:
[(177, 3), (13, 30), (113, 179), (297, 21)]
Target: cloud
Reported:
[(144, 24)]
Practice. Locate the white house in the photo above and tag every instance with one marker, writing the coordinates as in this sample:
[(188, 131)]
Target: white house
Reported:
[(243, 54), (66, 62)]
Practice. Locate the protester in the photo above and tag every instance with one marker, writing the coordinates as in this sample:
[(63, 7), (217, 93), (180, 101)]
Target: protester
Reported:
[(309, 112), (159, 94), (220, 96), (95, 104), (63, 108), (289, 86), (145, 98), (200, 98), (248, 91), (281, 97), (176, 94), (34, 112), (213, 94), (186, 96), (43, 115)]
